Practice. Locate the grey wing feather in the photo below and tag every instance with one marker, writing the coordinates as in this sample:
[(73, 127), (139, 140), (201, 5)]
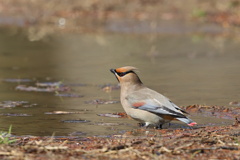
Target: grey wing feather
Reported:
[(162, 106)]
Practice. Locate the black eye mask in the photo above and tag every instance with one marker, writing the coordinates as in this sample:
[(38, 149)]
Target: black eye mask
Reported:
[(121, 74)]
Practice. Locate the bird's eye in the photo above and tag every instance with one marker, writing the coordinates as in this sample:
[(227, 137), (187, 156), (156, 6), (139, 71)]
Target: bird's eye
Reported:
[(121, 74)]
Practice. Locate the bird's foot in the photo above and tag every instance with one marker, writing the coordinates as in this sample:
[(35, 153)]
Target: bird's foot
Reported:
[(159, 126)]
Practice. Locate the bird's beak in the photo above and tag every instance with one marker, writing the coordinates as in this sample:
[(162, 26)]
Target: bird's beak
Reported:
[(113, 71)]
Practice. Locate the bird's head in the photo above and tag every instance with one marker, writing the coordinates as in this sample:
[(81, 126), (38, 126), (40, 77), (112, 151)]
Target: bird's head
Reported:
[(126, 74)]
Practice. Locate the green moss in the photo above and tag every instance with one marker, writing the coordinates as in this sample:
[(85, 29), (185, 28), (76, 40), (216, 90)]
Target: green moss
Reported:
[(199, 13)]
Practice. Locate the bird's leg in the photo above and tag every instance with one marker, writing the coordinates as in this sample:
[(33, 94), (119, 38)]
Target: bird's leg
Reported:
[(141, 124), (159, 126)]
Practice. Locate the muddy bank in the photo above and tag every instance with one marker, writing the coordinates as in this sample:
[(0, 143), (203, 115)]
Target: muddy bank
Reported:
[(201, 143), (74, 16)]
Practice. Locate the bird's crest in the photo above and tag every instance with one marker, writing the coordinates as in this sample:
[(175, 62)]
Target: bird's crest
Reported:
[(126, 69)]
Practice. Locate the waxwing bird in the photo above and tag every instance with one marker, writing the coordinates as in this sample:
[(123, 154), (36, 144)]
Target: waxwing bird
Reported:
[(146, 105)]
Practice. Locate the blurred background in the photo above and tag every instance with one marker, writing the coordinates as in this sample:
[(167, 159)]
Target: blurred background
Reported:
[(55, 58)]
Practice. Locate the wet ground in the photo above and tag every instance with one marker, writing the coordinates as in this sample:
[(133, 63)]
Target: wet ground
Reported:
[(62, 73), (211, 142)]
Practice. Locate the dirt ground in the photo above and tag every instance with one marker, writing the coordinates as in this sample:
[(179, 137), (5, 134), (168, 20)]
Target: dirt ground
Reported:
[(201, 142)]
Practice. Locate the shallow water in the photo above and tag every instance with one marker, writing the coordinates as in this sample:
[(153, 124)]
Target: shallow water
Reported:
[(187, 68)]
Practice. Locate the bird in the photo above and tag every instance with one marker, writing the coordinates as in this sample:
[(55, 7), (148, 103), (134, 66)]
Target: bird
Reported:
[(145, 105)]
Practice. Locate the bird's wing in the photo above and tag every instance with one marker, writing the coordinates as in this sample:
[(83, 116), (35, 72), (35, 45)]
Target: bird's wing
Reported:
[(178, 108), (157, 104)]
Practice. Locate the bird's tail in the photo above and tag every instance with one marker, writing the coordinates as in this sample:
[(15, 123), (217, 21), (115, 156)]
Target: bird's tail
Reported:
[(187, 120)]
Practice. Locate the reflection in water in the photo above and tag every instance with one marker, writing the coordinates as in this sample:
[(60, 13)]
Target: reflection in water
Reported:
[(189, 69)]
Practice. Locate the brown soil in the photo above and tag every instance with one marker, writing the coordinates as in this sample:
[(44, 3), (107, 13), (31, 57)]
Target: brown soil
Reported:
[(211, 142), (92, 15)]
